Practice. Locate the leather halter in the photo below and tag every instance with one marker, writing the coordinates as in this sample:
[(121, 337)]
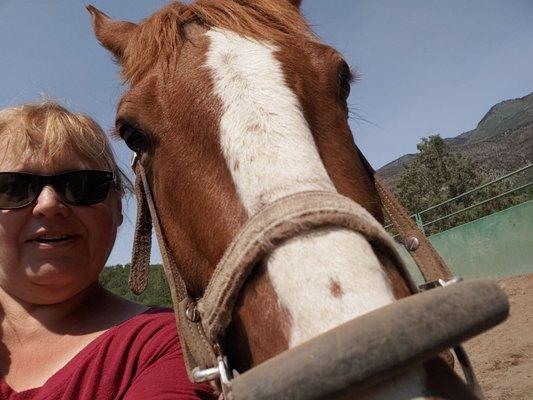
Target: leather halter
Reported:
[(202, 322)]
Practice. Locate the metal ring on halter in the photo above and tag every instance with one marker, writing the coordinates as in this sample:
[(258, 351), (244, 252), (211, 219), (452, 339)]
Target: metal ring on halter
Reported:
[(221, 372)]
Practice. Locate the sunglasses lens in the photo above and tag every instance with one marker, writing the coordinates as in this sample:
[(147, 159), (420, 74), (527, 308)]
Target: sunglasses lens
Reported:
[(83, 188), (79, 188), (17, 189)]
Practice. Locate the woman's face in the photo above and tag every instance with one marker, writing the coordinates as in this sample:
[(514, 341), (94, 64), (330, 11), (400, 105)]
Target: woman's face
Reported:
[(43, 271)]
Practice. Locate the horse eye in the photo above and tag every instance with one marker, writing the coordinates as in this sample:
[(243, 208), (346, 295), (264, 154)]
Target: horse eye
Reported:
[(135, 139), (345, 80)]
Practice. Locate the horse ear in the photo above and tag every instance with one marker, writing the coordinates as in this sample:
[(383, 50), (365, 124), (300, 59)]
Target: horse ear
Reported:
[(113, 35)]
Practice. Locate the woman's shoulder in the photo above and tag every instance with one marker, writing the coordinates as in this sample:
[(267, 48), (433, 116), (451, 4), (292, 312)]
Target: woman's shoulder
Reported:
[(151, 331), (149, 318), (138, 342), (138, 358), (148, 345)]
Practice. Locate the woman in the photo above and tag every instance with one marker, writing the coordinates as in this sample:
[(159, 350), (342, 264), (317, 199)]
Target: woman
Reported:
[(64, 336)]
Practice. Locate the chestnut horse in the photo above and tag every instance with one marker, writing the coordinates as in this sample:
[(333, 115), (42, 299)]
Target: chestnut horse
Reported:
[(233, 104)]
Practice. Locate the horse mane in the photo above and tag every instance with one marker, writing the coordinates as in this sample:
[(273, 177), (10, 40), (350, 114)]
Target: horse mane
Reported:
[(159, 38)]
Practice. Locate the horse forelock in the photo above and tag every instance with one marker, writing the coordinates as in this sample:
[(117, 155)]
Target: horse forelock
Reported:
[(159, 38)]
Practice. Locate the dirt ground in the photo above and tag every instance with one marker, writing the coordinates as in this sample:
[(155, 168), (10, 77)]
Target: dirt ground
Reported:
[(503, 356)]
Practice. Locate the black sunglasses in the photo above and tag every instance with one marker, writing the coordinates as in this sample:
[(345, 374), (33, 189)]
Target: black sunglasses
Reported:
[(78, 188)]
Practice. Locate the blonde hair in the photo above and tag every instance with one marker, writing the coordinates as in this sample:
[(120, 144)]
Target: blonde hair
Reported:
[(45, 131)]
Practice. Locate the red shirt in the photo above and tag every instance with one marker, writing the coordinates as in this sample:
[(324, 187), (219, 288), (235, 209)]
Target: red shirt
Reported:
[(138, 359)]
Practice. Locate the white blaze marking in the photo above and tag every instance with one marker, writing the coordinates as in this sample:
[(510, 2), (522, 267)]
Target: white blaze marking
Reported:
[(271, 153), (264, 136)]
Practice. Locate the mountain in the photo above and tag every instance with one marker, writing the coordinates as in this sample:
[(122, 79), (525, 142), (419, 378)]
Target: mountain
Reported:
[(501, 142)]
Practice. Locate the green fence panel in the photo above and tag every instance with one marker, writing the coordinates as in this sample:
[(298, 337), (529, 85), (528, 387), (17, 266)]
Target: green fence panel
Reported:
[(495, 246)]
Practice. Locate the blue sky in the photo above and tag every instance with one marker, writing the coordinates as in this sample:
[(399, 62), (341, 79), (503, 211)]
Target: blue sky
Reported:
[(425, 66)]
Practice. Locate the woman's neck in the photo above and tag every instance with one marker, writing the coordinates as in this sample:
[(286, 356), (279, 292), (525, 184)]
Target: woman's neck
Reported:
[(24, 319), (38, 340)]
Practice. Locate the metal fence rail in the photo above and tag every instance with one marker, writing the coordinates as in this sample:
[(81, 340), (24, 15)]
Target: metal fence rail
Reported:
[(418, 216)]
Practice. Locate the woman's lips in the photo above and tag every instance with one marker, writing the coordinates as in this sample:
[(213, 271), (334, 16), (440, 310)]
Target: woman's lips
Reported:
[(51, 241)]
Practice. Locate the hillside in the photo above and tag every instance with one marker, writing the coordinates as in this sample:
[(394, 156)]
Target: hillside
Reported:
[(501, 142)]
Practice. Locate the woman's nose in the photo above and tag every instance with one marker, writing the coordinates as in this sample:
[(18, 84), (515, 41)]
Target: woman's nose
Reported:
[(49, 204)]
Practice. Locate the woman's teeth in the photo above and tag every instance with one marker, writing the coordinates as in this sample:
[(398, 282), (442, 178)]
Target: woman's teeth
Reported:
[(49, 239)]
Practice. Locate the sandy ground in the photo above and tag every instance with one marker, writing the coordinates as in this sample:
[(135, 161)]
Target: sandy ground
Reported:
[(503, 356)]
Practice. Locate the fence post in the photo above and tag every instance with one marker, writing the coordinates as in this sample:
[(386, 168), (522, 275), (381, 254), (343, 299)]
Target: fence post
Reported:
[(418, 220)]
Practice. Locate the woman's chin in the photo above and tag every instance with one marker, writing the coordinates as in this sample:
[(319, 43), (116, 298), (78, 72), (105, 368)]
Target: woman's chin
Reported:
[(52, 280), (46, 288), (57, 276), (50, 270)]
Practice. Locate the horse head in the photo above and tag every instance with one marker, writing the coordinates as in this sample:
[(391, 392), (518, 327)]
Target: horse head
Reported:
[(232, 105)]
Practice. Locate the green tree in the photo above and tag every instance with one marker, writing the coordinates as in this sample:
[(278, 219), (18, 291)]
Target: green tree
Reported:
[(435, 175), (157, 293)]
